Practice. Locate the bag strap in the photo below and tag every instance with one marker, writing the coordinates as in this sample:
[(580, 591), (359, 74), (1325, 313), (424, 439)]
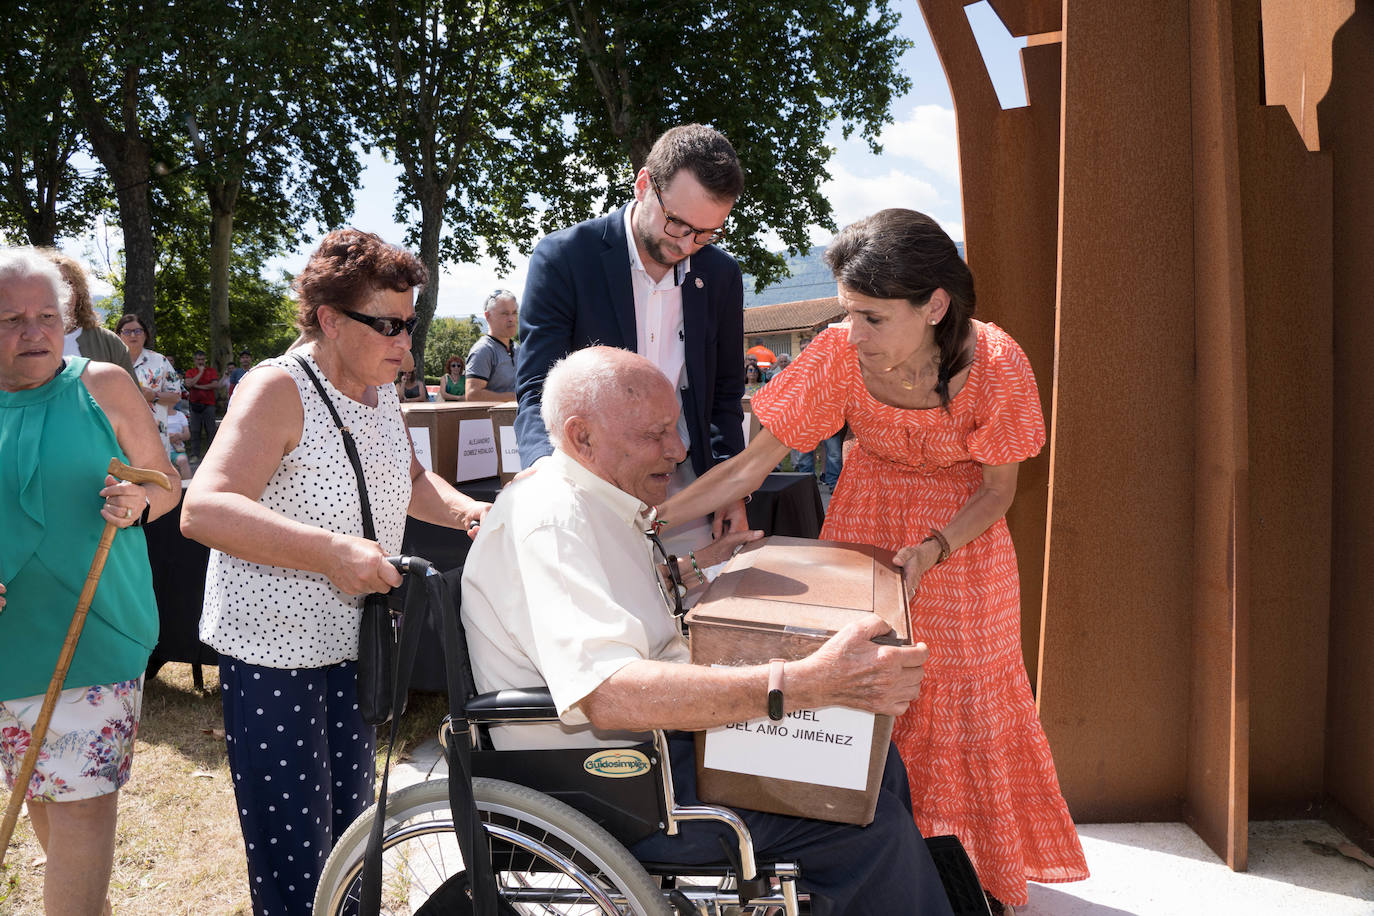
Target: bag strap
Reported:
[(402, 659), (467, 824), (349, 446)]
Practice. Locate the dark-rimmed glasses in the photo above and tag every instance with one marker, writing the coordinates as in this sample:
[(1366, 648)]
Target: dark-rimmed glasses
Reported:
[(680, 229), (383, 325), (673, 590), (130, 331)]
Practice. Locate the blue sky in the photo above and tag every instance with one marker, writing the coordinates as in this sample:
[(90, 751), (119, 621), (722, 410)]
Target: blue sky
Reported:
[(918, 167)]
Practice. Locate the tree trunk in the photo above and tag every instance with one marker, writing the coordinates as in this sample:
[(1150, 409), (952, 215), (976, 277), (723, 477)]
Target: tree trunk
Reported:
[(223, 196), (431, 224), (127, 161)]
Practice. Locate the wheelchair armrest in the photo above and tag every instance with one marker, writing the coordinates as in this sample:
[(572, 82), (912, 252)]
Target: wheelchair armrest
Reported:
[(523, 703)]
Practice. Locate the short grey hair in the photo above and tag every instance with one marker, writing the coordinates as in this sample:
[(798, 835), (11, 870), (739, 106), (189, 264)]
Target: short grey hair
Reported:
[(590, 382), (28, 263)]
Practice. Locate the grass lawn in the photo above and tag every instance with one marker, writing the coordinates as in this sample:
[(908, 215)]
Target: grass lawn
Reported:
[(178, 848)]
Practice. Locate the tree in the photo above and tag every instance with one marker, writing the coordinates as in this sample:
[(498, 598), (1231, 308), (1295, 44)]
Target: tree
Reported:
[(250, 80), (111, 52), (771, 76), (456, 93), (263, 317), (42, 196), (447, 337)]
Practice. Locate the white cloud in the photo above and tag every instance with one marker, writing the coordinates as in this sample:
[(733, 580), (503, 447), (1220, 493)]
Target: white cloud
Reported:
[(464, 288), (927, 136)]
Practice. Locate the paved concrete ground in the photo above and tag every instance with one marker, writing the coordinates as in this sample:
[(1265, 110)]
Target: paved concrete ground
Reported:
[(1166, 869)]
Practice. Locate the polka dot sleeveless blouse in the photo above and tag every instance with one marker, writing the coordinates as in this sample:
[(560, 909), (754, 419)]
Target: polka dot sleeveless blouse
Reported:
[(290, 618)]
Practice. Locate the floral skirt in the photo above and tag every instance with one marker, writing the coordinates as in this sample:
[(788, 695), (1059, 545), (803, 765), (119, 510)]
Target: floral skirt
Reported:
[(89, 748)]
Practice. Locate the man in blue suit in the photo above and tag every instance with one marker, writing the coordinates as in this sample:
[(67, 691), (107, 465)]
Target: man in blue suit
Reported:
[(648, 278)]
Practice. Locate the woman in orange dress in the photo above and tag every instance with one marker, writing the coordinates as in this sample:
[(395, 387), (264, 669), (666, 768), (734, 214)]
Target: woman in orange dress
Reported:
[(943, 409)]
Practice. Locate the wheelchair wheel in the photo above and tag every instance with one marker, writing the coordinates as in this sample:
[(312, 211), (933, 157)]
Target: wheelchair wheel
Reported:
[(548, 858)]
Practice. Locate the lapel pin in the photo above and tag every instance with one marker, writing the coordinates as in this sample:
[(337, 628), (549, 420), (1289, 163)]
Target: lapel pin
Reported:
[(699, 283)]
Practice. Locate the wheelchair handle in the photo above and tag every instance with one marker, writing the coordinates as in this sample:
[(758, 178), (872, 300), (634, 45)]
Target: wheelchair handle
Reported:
[(406, 565)]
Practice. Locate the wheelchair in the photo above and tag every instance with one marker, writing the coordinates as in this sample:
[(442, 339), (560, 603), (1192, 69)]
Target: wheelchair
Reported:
[(558, 834)]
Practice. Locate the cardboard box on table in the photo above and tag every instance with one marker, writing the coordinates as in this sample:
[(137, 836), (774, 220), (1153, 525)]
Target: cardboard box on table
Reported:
[(503, 420), (782, 598), (462, 441)]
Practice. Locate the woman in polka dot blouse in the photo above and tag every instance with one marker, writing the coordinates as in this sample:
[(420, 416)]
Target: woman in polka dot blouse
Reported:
[(276, 500)]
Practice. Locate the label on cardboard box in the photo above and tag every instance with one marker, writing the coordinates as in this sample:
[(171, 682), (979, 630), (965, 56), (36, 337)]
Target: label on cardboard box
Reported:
[(828, 747), (476, 449)]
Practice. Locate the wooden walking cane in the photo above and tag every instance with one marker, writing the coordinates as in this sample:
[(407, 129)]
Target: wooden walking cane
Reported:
[(120, 471)]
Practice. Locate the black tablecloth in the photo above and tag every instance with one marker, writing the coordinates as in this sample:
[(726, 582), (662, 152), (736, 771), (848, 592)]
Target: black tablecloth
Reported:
[(787, 504), (179, 582)]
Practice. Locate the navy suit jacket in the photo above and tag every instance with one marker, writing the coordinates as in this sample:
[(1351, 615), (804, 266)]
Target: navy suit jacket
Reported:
[(578, 294)]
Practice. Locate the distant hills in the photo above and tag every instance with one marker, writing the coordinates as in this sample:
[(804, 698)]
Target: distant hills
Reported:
[(810, 279)]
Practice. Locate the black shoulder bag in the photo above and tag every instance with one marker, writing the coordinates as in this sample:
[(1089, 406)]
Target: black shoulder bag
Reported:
[(377, 632)]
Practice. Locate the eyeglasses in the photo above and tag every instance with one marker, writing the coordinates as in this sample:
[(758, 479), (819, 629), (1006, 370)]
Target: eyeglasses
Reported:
[(679, 229), (132, 332), (673, 590), (383, 325)]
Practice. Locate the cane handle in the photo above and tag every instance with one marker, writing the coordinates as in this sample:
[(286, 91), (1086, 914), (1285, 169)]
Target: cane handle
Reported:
[(121, 471)]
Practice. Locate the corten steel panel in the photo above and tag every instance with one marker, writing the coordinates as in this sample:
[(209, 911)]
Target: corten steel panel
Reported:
[(1286, 227), (1345, 118), (1009, 173), (1028, 17), (1115, 656), (1216, 796)]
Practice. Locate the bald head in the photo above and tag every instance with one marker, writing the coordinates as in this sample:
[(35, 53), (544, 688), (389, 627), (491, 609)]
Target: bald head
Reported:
[(616, 414)]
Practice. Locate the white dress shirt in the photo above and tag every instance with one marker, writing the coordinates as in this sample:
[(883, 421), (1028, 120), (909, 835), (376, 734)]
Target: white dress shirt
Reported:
[(560, 589), (660, 337)]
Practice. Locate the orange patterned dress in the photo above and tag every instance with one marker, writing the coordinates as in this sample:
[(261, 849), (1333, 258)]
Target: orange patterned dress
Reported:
[(978, 760)]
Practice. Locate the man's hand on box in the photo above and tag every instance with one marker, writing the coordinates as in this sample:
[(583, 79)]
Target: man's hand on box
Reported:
[(849, 669)]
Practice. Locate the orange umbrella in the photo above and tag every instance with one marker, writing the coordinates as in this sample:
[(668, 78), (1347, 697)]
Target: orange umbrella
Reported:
[(762, 355)]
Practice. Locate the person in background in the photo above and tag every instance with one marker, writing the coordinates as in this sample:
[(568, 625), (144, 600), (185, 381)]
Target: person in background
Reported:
[(236, 374), (201, 383), (780, 364), (277, 501), (83, 327), (491, 361), (156, 377), (408, 387), (178, 431), (650, 278), (453, 384), (61, 421), (753, 377), (943, 410)]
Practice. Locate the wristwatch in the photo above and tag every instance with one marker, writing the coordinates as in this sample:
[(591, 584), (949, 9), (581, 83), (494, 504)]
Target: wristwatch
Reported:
[(775, 688)]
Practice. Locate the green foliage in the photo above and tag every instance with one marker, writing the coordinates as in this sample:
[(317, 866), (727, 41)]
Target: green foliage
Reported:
[(42, 196), (456, 93), (448, 337), (771, 76)]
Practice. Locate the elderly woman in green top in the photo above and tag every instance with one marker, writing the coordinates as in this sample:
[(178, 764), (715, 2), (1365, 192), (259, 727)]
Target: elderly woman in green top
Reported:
[(61, 421)]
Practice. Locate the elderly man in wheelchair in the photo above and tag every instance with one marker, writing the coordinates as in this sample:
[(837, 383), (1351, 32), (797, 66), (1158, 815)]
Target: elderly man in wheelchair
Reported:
[(585, 675)]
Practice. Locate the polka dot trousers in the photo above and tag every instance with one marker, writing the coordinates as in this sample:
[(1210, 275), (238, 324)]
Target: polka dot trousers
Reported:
[(302, 761)]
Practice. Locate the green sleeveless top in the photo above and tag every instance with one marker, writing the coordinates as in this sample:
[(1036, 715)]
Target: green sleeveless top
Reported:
[(55, 447)]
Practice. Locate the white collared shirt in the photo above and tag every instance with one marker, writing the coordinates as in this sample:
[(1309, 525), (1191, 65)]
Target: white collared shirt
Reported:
[(560, 589), (659, 334)]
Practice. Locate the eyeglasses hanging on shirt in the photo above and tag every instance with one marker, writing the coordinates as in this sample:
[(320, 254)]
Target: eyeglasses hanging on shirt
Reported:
[(668, 577)]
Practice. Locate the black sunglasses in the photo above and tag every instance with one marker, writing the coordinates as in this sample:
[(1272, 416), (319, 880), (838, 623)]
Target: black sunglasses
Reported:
[(385, 326)]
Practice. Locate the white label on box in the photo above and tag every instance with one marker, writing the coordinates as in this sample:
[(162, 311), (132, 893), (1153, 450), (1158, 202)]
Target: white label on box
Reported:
[(510, 451), (420, 440), (828, 747), (476, 449)]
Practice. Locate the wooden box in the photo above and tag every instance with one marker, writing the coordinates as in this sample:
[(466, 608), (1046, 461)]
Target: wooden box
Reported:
[(783, 597)]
